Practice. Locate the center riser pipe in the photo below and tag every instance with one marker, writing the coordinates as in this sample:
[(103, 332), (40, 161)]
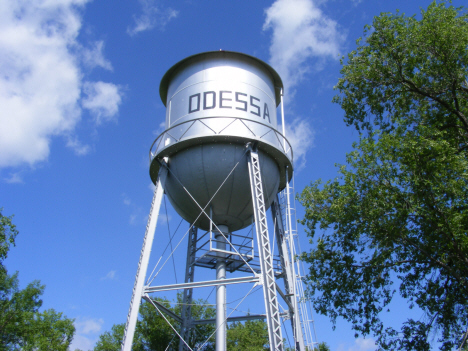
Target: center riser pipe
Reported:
[(221, 290)]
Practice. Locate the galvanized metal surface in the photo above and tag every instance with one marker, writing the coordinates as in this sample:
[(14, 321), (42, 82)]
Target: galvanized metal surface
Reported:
[(303, 305), (249, 317), (221, 290), (234, 130), (216, 103), (221, 84), (265, 254), (202, 284), (186, 313), (289, 274), (143, 263), (201, 170), (204, 56), (224, 157)]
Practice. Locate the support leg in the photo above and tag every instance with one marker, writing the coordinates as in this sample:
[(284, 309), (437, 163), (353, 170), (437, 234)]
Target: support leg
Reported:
[(143, 263), (265, 255), (186, 313)]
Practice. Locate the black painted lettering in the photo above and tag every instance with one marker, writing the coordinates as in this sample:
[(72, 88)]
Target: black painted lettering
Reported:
[(190, 105), (266, 113), (221, 98), (252, 98), (243, 102), (213, 100)]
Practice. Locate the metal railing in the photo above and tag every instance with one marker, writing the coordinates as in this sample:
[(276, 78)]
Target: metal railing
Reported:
[(206, 253), (221, 126)]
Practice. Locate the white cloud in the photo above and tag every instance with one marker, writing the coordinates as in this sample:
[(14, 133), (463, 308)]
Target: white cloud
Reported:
[(161, 128), (301, 136), (86, 335), (14, 178), (74, 143), (133, 218), (163, 218), (41, 78), (300, 32), (102, 99), (81, 342), (127, 201), (302, 37), (110, 276), (152, 16), (135, 210), (88, 325), (360, 344), (95, 58)]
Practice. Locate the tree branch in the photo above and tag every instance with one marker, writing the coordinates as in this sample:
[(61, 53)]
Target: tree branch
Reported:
[(419, 91), (397, 263), (464, 340), (460, 279)]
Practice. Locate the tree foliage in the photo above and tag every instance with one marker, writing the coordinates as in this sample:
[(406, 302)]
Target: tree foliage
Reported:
[(153, 333), (396, 218), (22, 325), (323, 346), (8, 233), (249, 336), (112, 340)]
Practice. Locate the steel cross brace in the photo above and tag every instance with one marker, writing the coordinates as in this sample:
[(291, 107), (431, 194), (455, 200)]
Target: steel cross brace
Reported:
[(264, 252), (249, 279)]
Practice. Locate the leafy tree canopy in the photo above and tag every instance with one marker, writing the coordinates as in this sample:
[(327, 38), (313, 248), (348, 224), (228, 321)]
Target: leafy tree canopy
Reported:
[(8, 233), (22, 325), (322, 347), (395, 221), (152, 332), (248, 336)]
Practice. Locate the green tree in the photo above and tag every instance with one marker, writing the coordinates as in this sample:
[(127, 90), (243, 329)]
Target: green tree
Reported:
[(395, 221), (322, 347), (8, 233), (250, 336), (22, 325), (152, 332), (49, 330), (112, 340), (200, 310)]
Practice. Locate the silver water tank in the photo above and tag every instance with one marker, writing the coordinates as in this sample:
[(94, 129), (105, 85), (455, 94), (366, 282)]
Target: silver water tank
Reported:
[(217, 102)]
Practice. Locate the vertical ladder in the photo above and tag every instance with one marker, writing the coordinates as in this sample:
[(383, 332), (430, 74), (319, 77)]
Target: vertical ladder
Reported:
[(143, 263), (303, 305), (264, 253), (288, 274), (290, 236)]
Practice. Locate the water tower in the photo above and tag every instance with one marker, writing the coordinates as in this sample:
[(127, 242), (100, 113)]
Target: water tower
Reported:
[(222, 162)]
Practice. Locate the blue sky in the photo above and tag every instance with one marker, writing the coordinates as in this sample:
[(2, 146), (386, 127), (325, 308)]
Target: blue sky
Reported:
[(79, 109)]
